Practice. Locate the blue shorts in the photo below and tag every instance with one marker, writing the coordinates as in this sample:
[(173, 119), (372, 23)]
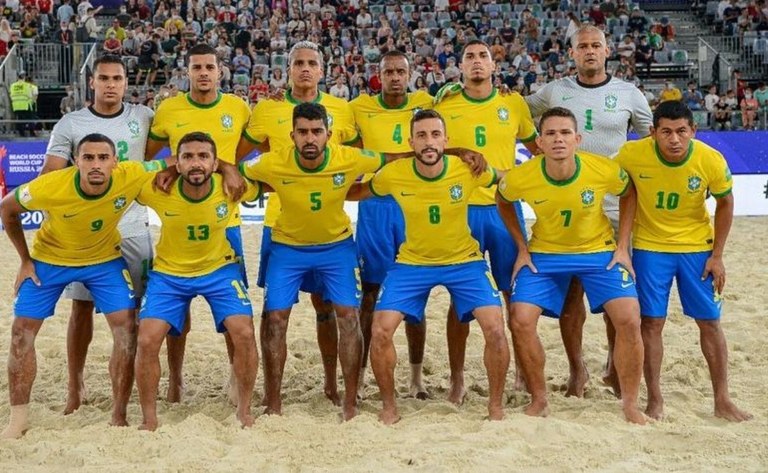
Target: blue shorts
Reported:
[(489, 230), (168, 297), (109, 283), (549, 287), (235, 238), (335, 264), (406, 288), (380, 232), (655, 272), (309, 284)]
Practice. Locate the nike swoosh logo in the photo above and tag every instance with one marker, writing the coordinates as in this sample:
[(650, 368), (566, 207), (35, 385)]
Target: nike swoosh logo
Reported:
[(537, 202), (454, 117), (69, 215), (625, 285), (567, 98), (179, 125), (643, 176), (288, 182), (406, 194), (171, 214), (280, 122), (371, 115)]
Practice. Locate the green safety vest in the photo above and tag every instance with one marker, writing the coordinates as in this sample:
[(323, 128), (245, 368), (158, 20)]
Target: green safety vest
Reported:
[(20, 96)]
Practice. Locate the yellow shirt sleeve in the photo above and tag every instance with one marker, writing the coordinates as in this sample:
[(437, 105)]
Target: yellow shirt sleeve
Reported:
[(32, 195), (621, 182), (506, 189), (256, 130), (256, 169), (158, 131), (366, 161), (526, 131), (379, 185), (721, 181)]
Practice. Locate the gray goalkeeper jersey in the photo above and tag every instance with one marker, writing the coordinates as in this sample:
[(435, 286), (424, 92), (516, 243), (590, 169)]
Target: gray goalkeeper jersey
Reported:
[(128, 129), (605, 113)]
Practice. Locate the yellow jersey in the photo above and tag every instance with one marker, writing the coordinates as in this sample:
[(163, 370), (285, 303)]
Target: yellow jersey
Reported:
[(569, 213), (313, 199), (490, 126), (387, 129), (224, 120), (671, 214), (272, 121), (193, 239), (435, 210), (80, 229)]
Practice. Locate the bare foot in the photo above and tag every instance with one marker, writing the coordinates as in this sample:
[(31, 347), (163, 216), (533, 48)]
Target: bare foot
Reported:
[(273, 409), (118, 421), (349, 412), (727, 410), (149, 426), (495, 413), (14, 431), (246, 420), (577, 381), (457, 394), (232, 392), (332, 394), (635, 416), (75, 398), (175, 391), (655, 409), (612, 381), (537, 408), (389, 416), (418, 391)]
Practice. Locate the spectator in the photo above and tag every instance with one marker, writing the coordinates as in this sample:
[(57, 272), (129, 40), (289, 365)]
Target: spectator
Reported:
[(622, 11), (711, 99), (374, 81), (738, 84), (522, 60), (91, 26), (257, 89), (438, 80), (420, 84), (241, 64), (597, 16), (761, 94), (65, 12), (670, 92), (538, 84), (340, 89), (648, 95), (722, 115), (179, 80), (277, 82), (498, 51), (118, 29), (749, 108), (655, 40), (608, 8), (28, 26), (149, 58), (731, 17), (692, 97), (451, 70), (371, 52), (637, 22), (359, 87), (626, 49), (68, 103), (666, 30), (644, 54), (442, 58), (731, 99), (112, 45)]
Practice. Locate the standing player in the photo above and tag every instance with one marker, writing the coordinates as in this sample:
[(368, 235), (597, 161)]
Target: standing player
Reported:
[(605, 107), (194, 258), (224, 118), (433, 191), (482, 120), (127, 125), (572, 237), (78, 241), (673, 239), (269, 129), (384, 124), (312, 235)]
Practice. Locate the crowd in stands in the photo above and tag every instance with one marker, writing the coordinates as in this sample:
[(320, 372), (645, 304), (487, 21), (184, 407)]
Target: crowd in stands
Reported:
[(529, 40), (739, 17)]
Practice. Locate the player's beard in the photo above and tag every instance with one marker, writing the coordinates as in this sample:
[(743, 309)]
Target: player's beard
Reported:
[(311, 155), (422, 160), (198, 179), (96, 178)]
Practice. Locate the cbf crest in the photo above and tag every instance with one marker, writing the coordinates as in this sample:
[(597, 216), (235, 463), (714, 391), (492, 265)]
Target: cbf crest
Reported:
[(339, 179), (222, 210), (694, 183), (227, 121), (120, 202), (134, 128), (611, 101), (503, 113), (330, 121), (587, 197), (456, 191)]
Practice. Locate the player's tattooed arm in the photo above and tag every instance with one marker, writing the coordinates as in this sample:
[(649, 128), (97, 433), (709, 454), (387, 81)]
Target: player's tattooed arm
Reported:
[(627, 210), (10, 213), (723, 221)]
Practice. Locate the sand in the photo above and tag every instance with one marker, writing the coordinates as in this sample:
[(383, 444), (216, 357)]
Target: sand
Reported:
[(200, 434)]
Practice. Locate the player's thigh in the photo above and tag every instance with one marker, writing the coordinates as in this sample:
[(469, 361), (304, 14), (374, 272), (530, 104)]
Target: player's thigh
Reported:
[(138, 253), (225, 292), (471, 285), (39, 302), (654, 273), (600, 284), (167, 298), (337, 269), (286, 269), (547, 288), (379, 229), (406, 290), (110, 285), (699, 298), (264, 251)]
